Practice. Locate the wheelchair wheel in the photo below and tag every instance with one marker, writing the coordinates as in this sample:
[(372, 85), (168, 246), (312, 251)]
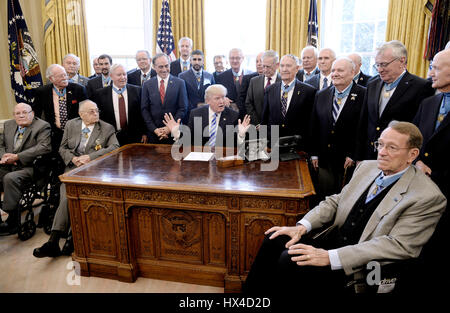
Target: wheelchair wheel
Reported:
[(28, 228)]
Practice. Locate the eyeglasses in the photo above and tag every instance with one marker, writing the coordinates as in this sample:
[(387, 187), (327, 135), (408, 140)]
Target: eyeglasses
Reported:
[(22, 113), (389, 148), (92, 111), (376, 66)]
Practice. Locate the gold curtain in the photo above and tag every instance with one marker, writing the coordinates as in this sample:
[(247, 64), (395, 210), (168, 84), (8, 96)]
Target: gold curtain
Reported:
[(287, 25), (65, 31), (188, 20), (408, 23)]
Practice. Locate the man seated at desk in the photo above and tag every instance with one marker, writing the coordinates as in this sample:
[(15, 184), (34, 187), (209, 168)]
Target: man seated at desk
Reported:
[(85, 138), (209, 123), (386, 213)]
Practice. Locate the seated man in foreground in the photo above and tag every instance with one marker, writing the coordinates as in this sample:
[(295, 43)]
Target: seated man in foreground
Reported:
[(24, 139), (386, 213), (213, 124), (85, 139)]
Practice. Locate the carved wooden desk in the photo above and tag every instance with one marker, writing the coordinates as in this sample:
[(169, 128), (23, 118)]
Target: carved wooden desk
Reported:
[(138, 212)]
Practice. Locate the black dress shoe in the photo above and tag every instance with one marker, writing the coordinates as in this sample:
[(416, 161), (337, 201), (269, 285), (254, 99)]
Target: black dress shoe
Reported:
[(7, 229), (47, 250), (68, 247)]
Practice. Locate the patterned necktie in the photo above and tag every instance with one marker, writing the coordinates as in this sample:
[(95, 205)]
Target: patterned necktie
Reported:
[(144, 78), (185, 66), (62, 107), (199, 79), (378, 188), (84, 138), (268, 82), (162, 91), (284, 98), (212, 130), (335, 110), (19, 138), (325, 83)]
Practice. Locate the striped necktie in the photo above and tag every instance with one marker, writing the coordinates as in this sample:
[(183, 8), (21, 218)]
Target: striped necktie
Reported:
[(212, 130), (84, 138), (19, 138), (284, 98)]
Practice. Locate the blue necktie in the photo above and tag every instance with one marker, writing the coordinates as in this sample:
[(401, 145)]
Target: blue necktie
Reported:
[(212, 131), (84, 137), (325, 83)]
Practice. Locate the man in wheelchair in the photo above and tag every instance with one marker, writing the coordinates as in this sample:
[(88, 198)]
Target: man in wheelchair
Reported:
[(24, 138)]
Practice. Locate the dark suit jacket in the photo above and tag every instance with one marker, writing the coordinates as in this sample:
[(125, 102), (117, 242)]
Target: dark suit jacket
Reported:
[(315, 81), (333, 143), (135, 126), (94, 84), (363, 79), (175, 67), (36, 141), (194, 94), (43, 106), (301, 74), (134, 76), (153, 110), (298, 115), (255, 98), (436, 143), (227, 117), (402, 106), (243, 92), (227, 79)]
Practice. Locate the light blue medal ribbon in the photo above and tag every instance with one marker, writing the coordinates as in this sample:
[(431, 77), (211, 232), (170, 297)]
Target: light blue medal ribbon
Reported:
[(60, 94), (106, 81)]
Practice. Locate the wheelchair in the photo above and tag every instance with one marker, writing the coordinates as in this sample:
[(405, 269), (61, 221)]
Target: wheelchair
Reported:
[(44, 186)]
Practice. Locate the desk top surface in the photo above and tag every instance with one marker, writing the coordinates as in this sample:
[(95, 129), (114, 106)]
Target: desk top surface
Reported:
[(152, 166)]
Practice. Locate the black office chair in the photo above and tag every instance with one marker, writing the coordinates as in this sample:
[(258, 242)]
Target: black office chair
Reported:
[(45, 186)]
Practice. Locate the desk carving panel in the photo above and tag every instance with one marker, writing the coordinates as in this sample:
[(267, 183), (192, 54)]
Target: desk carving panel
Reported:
[(137, 212)]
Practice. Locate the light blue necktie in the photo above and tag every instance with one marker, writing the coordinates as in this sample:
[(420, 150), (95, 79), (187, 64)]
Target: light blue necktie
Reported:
[(84, 137), (212, 131)]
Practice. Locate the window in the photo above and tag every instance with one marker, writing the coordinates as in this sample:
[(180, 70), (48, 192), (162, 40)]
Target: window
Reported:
[(235, 24), (118, 30), (354, 26)]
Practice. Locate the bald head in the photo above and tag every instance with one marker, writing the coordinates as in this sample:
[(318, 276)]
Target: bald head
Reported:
[(342, 73), (23, 114), (259, 63), (356, 58), (440, 71)]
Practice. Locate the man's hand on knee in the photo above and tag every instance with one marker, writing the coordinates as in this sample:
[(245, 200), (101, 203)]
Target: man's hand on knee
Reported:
[(308, 255), (295, 232)]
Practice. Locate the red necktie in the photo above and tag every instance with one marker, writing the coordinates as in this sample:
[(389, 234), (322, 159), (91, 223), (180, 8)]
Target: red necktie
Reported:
[(162, 91), (268, 83), (122, 112)]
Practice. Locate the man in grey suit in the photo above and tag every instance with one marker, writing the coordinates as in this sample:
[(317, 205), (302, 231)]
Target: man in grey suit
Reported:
[(71, 64), (254, 101), (24, 138), (386, 213), (85, 139)]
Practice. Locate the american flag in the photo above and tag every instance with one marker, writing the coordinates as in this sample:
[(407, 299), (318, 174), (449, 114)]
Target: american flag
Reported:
[(24, 67), (165, 43), (313, 27)]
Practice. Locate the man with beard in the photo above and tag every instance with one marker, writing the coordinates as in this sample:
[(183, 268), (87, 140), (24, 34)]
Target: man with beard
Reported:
[(103, 80), (197, 80)]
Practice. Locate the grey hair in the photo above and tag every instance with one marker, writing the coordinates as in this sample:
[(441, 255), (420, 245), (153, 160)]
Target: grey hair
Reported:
[(398, 49), (346, 59), (316, 53), (49, 71), (83, 104), (73, 56), (191, 43), (146, 52), (333, 54), (271, 54), (160, 55), (115, 66), (293, 57)]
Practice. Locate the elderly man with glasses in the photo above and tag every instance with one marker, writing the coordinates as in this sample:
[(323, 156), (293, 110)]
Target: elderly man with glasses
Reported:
[(85, 139), (24, 139), (394, 95)]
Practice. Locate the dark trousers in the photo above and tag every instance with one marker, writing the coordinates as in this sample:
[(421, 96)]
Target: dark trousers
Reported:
[(273, 272)]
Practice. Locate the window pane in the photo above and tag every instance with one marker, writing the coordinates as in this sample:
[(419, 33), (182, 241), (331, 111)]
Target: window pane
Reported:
[(347, 38), (364, 37), (347, 10)]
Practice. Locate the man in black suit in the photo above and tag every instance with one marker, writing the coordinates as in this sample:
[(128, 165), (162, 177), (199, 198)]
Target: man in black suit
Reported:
[(197, 80), (232, 80), (103, 80), (394, 95), (183, 63), (220, 65), (162, 94), (323, 79), (71, 64), (213, 124), (97, 69), (433, 121), (334, 127), (246, 80), (255, 95), (289, 103), (144, 71), (58, 101), (120, 106), (360, 78), (309, 63)]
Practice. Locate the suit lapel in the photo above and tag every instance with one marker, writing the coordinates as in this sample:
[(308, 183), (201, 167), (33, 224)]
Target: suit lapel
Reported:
[(109, 101), (391, 199), (444, 123), (26, 134), (402, 87), (95, 134), (329, 104), (349, 103), (294, 99)]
